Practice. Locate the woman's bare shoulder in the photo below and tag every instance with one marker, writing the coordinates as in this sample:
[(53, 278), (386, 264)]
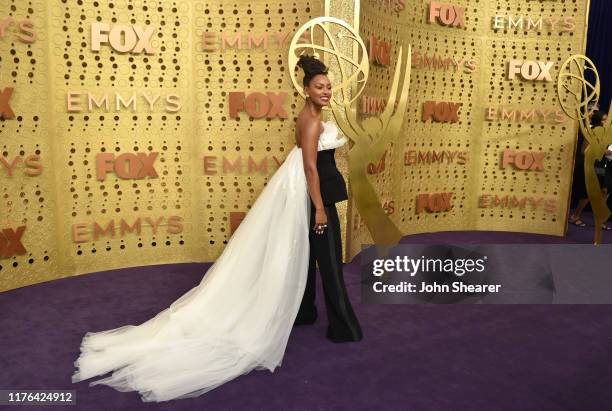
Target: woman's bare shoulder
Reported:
[(308, 124)]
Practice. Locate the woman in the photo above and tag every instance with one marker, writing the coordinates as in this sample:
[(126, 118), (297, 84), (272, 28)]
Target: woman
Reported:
[(240, 315), (323, 178)]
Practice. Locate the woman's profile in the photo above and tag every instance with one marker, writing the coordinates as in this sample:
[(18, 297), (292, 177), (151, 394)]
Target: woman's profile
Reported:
[(239, 317)]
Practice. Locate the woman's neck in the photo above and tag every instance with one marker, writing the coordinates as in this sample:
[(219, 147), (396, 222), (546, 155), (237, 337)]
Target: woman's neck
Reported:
[(313, 108)]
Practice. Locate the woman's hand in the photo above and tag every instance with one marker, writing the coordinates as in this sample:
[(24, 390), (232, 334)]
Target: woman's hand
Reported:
[(320, 221)]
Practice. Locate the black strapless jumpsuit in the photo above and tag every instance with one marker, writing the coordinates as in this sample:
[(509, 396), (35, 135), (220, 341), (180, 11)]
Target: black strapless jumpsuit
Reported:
[(326, 250)]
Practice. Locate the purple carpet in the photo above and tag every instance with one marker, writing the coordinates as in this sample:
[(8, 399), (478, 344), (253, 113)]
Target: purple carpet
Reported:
[(413, 357)]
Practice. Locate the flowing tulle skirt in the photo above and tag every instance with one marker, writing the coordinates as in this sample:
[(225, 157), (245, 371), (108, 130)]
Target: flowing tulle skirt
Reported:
[(237, 319)]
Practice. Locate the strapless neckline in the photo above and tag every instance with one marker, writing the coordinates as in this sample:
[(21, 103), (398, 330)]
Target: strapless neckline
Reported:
[(323, 123)]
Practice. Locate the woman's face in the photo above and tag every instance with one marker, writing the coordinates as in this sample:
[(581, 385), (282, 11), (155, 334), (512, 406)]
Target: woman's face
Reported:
[(319, 90)]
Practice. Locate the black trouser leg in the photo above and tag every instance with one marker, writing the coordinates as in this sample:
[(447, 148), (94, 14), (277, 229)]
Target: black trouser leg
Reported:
[(343, 324), (307, 313)]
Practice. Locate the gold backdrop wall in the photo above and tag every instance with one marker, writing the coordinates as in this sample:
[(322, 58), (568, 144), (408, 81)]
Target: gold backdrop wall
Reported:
[(485, 196), (58, 219), (210, 167)]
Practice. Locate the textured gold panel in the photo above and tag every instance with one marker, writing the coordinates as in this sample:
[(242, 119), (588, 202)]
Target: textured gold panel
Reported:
[(67, 200), (25, 200), (482, 140), (80, 136)]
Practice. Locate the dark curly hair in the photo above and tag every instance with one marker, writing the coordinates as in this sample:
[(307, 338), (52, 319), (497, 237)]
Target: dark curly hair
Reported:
[(311, 67)]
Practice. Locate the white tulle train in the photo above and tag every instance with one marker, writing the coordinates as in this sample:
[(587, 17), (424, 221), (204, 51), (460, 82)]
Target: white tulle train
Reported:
[(237, 319)]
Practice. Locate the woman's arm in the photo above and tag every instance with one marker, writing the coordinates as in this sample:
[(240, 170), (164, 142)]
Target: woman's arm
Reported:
[(309, 131)]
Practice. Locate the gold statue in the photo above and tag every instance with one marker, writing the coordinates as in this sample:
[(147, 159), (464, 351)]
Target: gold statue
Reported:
[(370, 137), (576, 94)]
